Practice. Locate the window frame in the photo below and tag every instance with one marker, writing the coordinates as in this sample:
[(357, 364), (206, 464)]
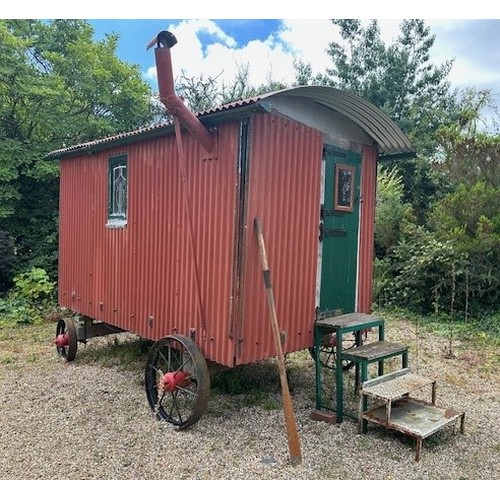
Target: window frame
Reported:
[(117, 218), (345, 179)]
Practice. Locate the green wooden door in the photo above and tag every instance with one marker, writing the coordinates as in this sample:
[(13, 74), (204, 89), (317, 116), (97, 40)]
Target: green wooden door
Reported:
[(339, 232)]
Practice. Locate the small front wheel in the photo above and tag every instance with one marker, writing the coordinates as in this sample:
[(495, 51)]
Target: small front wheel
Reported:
[(177, 381), (66, 341), (328, 350)]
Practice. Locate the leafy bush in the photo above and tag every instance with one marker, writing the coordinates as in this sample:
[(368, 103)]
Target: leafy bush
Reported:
[(16, 311), (469, 219), (391, 212), (453, 267), (34, 285), (425, 272), (28, 301), (382, 277)]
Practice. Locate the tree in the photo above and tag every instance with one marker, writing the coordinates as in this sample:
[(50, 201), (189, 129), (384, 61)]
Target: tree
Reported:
[(202, 92), (399, 79), (58, 87), (391, 213), (469, 147)]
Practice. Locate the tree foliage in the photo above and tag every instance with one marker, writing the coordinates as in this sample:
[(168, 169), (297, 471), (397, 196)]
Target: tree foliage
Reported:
[(468, 152), (58, 87), (204, 92), (446, 259), (7, 260), (391, 213), (398, 78)]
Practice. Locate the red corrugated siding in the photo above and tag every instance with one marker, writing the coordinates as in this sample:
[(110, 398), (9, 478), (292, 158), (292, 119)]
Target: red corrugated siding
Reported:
[(366, 229), (284, 186), (125, 276)]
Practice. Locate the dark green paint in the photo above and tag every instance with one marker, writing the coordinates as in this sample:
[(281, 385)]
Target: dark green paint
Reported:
[(340, 238)]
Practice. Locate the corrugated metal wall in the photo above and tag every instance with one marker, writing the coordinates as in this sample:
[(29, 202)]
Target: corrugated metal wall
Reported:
[(141, 278), (366, 229), (284, 188)]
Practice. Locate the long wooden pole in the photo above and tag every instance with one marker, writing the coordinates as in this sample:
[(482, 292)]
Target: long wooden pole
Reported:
[(291, 426)]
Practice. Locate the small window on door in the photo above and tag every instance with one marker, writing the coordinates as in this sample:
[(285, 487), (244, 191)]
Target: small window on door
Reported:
[(117, 191), (344, 188)]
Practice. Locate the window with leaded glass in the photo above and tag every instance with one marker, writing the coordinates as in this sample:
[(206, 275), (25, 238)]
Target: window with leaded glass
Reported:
[(117, 190)]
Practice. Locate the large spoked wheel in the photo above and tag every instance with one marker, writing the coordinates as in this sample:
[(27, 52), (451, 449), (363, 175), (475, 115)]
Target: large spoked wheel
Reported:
[(328, 350), (66, 341), (177, 381)]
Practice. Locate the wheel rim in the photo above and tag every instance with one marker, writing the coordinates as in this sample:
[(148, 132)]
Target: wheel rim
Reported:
[(66, 341), (177, 381), (328, 350)]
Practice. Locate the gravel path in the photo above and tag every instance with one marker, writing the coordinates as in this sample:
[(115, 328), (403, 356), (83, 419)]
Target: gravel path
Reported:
[(91, 420)]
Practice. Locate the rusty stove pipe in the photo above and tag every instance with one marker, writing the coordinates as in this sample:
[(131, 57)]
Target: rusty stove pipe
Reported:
[(172, 102)]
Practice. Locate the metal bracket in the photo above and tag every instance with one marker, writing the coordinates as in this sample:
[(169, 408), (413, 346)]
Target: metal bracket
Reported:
[(330, 232)]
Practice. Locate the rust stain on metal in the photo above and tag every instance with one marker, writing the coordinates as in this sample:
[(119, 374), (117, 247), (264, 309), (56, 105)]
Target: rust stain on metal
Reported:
[(283, 191), (450, 413), (128, 274), (366, 229), (169, 98)]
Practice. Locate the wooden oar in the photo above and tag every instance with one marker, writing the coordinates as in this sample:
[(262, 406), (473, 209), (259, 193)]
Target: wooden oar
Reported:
[(291, 426)]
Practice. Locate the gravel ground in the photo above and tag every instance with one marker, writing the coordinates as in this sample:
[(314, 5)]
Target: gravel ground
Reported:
[(91, 420)]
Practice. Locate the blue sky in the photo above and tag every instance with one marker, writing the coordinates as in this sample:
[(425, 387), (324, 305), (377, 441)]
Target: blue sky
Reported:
[(216, 47), (215, 39), (219, 44)]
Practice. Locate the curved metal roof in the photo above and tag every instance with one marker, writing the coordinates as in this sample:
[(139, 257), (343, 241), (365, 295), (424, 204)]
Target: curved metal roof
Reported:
[(390, 139)]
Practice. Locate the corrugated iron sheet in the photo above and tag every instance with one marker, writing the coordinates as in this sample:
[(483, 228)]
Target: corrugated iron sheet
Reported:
[(284, 189), (140, 278), (155, 130), (366, 229), (391, 141)]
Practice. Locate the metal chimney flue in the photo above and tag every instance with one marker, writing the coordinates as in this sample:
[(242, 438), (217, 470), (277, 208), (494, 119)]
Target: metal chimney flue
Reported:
[(174, 105)]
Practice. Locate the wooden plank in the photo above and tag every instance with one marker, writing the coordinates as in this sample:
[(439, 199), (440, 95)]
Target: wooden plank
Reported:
[(413, 417), (293, 436), (352, 321), (374, 351), (385, 378)]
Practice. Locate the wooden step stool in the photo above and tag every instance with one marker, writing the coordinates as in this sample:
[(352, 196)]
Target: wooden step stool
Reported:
[(402, 413)]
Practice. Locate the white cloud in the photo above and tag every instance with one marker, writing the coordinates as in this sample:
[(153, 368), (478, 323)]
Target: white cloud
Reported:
[(150, 73), (272, 58), (305, 39), (309, 40), (466, 73)]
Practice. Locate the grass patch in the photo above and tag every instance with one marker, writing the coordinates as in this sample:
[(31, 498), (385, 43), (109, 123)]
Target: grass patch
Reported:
[(256, 384), (8, 360), (121, 351)]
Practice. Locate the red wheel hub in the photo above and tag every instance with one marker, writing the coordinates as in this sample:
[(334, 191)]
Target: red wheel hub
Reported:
[(172, 380), (62, 340), (333, 341)]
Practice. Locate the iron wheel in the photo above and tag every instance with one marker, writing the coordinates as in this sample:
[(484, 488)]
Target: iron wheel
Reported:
[(177, 381), (66, 341), (328, 350)]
